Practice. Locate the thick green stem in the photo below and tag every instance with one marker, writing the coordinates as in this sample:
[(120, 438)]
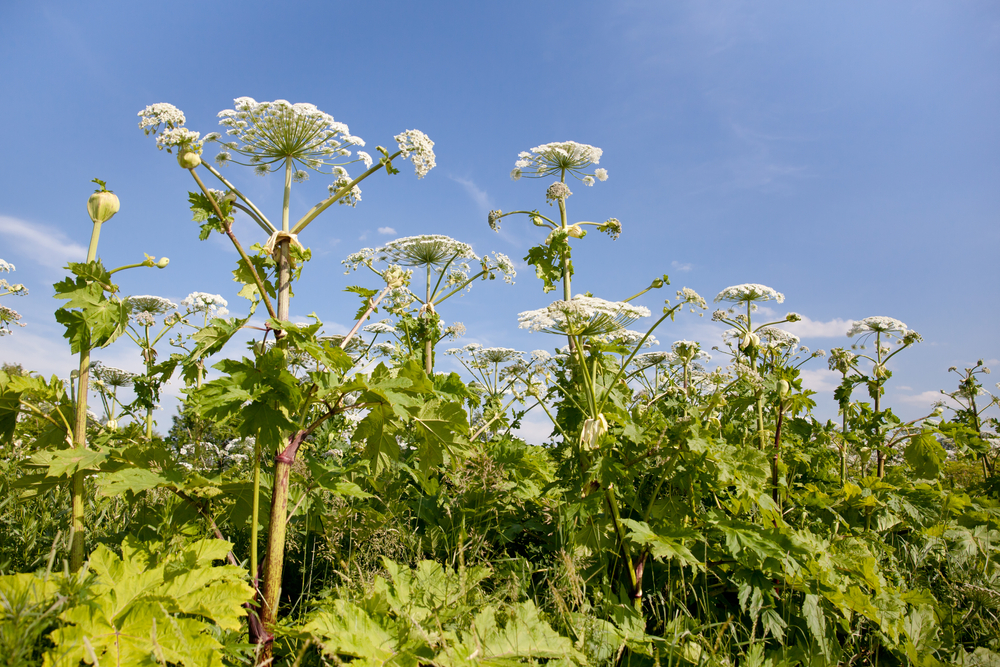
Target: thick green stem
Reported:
[(636, 584), (255, 519), (77, 529), (428, 344), (276, 531), (777, 455)]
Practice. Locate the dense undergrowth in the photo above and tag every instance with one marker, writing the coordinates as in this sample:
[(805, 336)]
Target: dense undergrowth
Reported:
[(333, 499)]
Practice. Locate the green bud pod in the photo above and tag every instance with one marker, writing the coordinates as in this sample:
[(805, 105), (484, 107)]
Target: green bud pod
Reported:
[(162, 264), (102, 206), (188, 159), (656, 284), (783, 388)]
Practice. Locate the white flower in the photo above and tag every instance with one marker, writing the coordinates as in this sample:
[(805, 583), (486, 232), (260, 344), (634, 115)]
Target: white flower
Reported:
[(601, 174), (419, 149), (269, 133), (557, 158), (155, 305), (366, 158), (778, 338), (350, 198), (180, 138), (455, 331), (160, 114), (505, 266), (748, 293), (584, 315), (8, 316), (111, 376), (356, 259), (557, 190), (688, 295), (6, 267), (877, 324), (588, 180), (202, 302), (424, 250), (383, 327)]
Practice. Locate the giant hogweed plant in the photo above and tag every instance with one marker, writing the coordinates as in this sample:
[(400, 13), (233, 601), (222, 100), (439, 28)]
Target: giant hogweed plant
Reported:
[(292, 139)]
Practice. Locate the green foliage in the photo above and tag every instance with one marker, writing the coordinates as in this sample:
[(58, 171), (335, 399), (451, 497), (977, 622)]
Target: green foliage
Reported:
[(150, 608), (433, 615)]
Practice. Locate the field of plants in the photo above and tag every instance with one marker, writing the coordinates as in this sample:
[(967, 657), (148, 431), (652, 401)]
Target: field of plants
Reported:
[(336, 499)]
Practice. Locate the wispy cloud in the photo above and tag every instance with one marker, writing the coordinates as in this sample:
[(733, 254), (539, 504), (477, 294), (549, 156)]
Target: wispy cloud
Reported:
[(41, 243), (820, 380), (683, 268), (808, 328), (924, 399), (386, 230), (475, 193)]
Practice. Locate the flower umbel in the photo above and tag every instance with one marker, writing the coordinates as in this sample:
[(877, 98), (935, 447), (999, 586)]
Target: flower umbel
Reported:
[(269, 133), (582, 316), (558, 158)]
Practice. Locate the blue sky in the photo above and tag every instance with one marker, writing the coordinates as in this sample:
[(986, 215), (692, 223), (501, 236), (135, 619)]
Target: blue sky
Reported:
[(846, 154)]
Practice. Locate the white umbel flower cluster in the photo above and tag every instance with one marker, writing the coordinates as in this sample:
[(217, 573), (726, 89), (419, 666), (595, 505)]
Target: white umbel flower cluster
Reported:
[(167, 122), (582, 316), (268, 133), (558, 158), (109, 376), (778, 338), (202, 302), (418, 148), (877, 324), (749, 293), (423, 250)]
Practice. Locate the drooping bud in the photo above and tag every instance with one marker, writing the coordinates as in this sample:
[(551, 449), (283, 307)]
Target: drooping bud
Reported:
[(537, 221), (103, 204), (188, 158), (396, 277), (592, 431), (162, 264)]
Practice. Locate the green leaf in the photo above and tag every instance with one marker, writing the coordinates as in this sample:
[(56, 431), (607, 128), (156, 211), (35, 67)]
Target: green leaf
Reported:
[(925, 455), (665, 544), (149, 608)]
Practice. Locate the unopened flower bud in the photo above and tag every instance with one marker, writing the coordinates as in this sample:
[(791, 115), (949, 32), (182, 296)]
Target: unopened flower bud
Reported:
[(112, 424), (395, 277), (656, 284), (162, 264), (783, 388), (537, 221), (188, 158), (576, 231), (102, 205)]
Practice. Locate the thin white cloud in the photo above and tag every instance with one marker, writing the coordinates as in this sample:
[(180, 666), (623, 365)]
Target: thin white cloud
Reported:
[(820, 380), (925, 398), (386, 230), (808, 328), (40, 243), (477, 194), (677, 266)]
